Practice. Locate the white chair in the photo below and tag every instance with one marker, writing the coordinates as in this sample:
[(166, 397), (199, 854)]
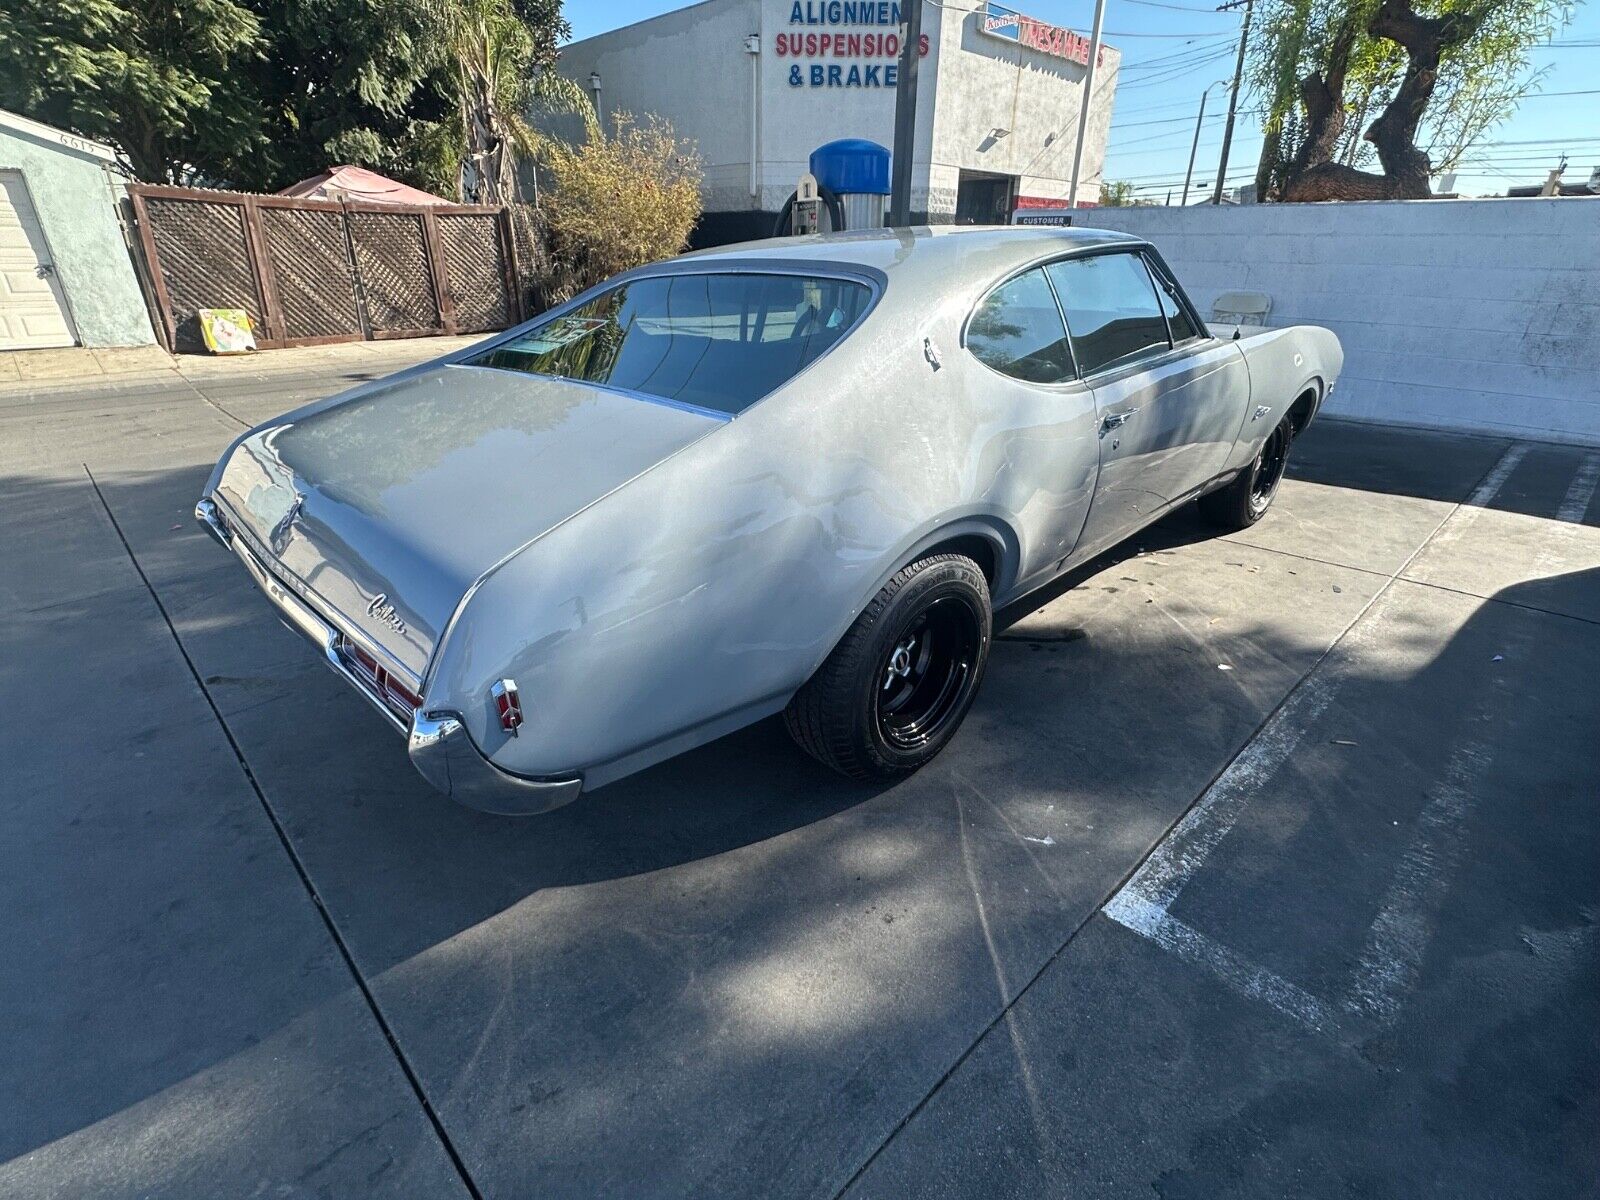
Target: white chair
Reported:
[(1241, 308)]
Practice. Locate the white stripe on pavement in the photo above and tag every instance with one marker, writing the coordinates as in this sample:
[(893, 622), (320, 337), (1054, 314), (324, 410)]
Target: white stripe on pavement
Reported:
[(1579, 495), (1483, 495), (1400, 934)]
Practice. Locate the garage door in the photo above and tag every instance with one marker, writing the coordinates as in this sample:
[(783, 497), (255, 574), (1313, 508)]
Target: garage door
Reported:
[(33, 309)]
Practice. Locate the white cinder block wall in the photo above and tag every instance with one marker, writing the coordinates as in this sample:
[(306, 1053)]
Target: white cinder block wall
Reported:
[(1465, 314)]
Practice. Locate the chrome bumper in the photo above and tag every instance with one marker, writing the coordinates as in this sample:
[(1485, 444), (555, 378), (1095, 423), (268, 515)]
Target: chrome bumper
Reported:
[(438, 742), (441, 749)]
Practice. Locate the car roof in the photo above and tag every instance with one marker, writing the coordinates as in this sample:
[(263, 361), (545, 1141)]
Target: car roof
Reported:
[(925, 245)]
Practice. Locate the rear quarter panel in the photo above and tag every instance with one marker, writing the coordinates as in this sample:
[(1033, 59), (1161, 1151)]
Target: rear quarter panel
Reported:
[(704, 593)]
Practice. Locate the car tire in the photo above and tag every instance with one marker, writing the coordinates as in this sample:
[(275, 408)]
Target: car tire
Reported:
[(896, 688), (1246, 500)]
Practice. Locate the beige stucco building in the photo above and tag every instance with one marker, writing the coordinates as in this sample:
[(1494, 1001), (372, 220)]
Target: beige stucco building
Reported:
[(759, 84)]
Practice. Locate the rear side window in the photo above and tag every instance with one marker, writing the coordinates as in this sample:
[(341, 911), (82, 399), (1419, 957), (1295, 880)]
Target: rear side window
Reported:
[(1112, 309), (718, 342), (1017, 330)]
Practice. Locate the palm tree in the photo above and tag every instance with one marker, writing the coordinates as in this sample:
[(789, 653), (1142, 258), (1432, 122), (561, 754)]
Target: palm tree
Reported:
[(500, 67)]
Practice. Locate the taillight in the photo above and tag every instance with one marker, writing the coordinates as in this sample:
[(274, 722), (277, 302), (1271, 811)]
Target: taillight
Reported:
[(402, 693), (508, 703), (388, 686)]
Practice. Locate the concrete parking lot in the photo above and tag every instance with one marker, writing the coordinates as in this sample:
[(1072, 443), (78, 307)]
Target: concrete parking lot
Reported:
[(1266, 865)]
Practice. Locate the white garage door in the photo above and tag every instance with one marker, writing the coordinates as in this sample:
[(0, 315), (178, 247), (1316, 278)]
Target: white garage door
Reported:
[(33, 309)]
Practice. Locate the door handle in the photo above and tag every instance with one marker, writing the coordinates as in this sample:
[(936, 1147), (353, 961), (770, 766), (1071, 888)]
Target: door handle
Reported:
[(1116, 420)]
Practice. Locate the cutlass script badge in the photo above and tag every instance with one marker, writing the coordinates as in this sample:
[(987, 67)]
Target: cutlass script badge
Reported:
[(382, 610)]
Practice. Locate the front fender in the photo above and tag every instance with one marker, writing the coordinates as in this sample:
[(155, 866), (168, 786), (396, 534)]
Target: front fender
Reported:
[(1284, 364)]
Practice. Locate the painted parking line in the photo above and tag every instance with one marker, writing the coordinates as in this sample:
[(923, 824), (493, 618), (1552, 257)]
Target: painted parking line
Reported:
[(1391, 961), (1399, 935), (1467, 513), (1483, 495), (1144, 903), (1160, 879), (1135, 911), (1576, 503)]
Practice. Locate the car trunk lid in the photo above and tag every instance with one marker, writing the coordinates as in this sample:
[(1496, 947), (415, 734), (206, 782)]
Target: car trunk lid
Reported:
[(387, 507)]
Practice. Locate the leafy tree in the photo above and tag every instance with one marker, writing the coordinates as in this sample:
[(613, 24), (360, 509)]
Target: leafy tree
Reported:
[(1116, 194), (256, 94), (1434, 75), (340, 81), (164, 81), (615, 202)]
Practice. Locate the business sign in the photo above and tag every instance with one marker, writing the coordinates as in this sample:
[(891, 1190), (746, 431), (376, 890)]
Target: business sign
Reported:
[(845, 44), (1010, 26), (1041, 216)]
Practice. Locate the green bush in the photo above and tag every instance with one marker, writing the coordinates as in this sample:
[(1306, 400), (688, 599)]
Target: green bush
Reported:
[(614, 202)]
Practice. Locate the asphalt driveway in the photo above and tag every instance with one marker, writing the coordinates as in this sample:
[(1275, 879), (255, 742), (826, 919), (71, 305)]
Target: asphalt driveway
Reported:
[(1265, 865)]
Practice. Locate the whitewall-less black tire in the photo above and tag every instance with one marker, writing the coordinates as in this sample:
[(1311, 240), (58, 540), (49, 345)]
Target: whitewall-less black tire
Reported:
[(898, 685)]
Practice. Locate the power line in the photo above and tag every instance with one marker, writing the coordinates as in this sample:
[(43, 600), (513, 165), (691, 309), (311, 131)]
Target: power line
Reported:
[(1206, 34), (1512, 158), (1177, 56), (1555, 141), (1185, 121), (1204, 12), (1157, 136), (1178, 70)]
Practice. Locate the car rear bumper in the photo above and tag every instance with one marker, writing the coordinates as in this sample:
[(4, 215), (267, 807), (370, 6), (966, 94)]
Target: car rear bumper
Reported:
[(443, 752), (438, 742)]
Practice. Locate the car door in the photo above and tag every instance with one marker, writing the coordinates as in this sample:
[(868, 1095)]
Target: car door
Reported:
[(1169, 398), (1036, 447)]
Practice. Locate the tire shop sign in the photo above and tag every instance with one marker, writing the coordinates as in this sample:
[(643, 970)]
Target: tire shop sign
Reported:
[(844, 44), (1010, 26)]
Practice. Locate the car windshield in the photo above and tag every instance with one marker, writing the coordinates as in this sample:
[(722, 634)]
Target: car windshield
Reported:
[(714, 341)]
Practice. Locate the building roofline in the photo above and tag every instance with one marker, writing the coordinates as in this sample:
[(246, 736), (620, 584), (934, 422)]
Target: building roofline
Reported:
[(61, 137)]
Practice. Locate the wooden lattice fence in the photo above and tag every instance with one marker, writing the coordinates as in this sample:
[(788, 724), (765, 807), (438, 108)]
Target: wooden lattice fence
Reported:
[(315, 271)]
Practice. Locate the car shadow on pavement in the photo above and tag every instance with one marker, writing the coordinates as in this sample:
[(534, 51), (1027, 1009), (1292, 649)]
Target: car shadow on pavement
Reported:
[(738, 946), (1374, 969)]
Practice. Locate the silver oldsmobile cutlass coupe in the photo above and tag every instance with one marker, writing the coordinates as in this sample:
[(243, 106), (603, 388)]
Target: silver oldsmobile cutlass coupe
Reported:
[(792, 476)]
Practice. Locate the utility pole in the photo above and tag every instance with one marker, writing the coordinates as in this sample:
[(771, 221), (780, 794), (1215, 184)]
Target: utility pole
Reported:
[(1233, 97), (1195, 145), (1552, 185), (1088, 99), (905, 116)]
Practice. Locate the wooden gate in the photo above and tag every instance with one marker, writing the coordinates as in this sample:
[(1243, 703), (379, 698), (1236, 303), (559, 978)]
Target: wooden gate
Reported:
[(311, 272)]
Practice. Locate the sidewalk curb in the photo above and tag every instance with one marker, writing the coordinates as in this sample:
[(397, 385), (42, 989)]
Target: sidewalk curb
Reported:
[(33, 371)]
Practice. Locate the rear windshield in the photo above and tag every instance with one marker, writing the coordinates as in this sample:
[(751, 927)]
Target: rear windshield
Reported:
[(718, 342)]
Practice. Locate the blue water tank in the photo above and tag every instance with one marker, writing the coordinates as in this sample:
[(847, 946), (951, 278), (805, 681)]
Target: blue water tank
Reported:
[(852, 166)]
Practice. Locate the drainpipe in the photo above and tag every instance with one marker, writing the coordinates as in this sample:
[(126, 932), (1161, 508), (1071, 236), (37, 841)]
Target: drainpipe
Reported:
[(594, 90), (752, 47)]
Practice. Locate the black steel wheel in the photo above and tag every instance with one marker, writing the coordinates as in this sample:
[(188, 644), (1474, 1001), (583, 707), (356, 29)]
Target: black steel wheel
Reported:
[(926, 670), (1270, 464), (1246, 500), (900, 682)]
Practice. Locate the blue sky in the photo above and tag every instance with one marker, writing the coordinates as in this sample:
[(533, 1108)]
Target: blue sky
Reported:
[(1173, 49)]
